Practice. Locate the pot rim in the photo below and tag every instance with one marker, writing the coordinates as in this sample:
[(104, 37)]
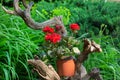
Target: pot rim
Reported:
[(67, 58)]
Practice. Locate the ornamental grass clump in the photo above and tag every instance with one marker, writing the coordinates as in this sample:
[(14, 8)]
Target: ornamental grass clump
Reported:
[(60, 46)]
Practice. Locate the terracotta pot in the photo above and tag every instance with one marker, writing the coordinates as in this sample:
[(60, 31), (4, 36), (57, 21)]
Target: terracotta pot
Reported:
[(66, 67)]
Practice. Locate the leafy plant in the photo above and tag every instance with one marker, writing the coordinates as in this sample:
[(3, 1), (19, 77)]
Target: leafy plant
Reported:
[(56, 45), (92, 14), (62, 11)]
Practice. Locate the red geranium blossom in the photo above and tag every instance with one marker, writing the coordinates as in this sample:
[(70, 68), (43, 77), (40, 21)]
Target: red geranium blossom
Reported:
[(74, 27), (57, 27), (48, 29), (54, 37), (48, 37)]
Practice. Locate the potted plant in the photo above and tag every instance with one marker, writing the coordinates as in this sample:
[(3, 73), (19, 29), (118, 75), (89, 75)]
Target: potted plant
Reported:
[(66, 67), (62, 48)]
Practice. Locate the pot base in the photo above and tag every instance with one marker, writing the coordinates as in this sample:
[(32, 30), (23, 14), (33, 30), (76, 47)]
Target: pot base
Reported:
[(66, 67)]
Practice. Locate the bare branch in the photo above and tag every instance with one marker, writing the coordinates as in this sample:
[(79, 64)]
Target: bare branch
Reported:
[(43, 76), (25, 15), (24, 3), (89, 47), (9, 11), (31, 4), (17, 9), (95, 74), (96, 47), (43, 70)]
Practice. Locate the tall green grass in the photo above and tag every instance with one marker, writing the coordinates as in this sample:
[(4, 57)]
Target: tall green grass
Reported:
[(18, 44), (108, 60)]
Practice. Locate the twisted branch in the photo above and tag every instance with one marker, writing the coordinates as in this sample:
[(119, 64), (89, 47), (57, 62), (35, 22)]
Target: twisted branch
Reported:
[(25, 15)]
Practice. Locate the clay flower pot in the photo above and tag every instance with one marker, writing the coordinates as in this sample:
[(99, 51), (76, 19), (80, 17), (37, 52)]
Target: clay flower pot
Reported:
[(66, 67)]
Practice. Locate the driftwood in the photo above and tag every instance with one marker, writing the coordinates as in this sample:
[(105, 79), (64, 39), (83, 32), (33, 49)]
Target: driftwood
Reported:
[(89, 47), (25, 15), (48, 72)]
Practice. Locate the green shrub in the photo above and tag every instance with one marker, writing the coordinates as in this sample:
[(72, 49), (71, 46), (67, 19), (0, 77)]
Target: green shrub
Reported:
[(49, 10), (93, 14)]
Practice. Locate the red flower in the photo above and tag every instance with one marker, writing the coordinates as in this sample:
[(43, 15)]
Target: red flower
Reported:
[(48, 29), (57, 27), (54, 38), (74, 27), (48, 37)]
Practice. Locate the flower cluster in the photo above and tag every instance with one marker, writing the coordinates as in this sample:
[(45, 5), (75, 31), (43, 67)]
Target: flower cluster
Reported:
[(51, 35), (59, 45), (48, 29), (54, 38)]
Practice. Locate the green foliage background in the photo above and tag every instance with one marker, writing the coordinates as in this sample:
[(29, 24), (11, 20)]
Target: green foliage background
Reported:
[(98, 20)]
